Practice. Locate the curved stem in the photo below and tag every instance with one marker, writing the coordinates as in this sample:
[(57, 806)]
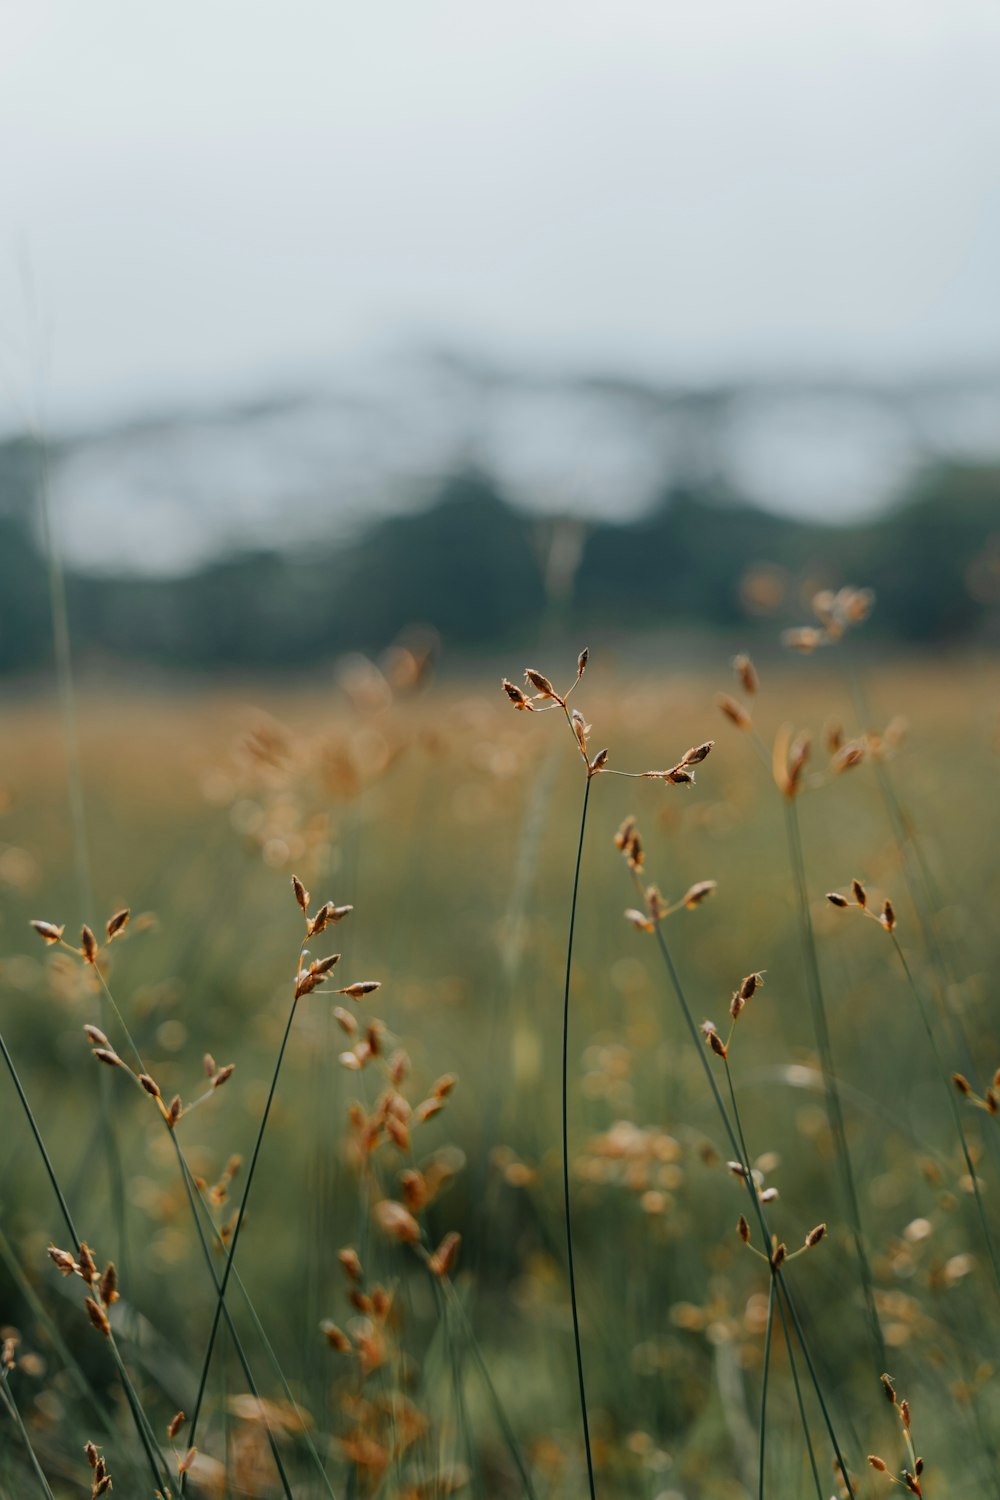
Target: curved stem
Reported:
[(762, 1432), (12, 1411), (565, 1149), (956, 1113), (739, 1149), (153, 1456), (835, 1111), (188, 1180), (230, 1258)]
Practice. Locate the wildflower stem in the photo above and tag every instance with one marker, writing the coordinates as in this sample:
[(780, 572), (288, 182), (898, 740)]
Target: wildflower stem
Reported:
[(237, 1344), (744, 1154), (835, 1111), (188, 1180), (762, 1431), (565, 1147), (15, 1415), (135, 1406), (503, 1421), (954, 1105), (230, 1258), (739, 1149)]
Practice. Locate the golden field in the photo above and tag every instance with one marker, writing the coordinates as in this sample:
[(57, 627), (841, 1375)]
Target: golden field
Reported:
[(449, 822)]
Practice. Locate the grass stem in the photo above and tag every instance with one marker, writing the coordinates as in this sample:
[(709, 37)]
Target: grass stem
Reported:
[(565, 1148)]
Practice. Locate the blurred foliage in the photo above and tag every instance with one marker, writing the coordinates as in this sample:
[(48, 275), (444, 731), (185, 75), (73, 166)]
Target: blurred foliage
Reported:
[(480, 572), (449, 821)]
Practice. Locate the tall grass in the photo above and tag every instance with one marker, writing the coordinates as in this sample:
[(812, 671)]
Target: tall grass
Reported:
[(587, 1284)]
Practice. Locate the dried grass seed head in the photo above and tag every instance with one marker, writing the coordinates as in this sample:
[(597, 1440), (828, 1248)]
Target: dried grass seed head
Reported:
[(698, 893), (746, 672), (734, 711), (48, 931), (117, 923), (88, 944), (543, 687), (519, 699)]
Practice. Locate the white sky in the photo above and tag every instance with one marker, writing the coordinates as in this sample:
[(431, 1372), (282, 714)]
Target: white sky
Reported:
[(216, 195)]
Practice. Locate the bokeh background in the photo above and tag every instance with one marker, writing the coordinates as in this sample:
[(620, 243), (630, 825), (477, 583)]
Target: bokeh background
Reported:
[(339, 313), (351, 358)]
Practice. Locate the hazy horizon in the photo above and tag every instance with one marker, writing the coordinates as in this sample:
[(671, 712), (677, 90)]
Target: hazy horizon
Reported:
[(206, 202)]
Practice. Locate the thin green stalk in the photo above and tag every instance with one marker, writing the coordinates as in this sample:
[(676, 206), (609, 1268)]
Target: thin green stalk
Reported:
[(919, 878), (835, 1111), (15, 1415), (268, 1347), (230, 1258), (739, 1149), (503, 1421), (565, 1148), (188, 1180), (149, 1444), (81, 847), (237, 1344), (800, 1401), (762, 1426), (44, 1318), (955, 1110), (744, 1155), (64, 675)]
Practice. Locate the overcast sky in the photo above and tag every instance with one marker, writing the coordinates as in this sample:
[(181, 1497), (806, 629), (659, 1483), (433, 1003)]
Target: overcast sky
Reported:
[(204, 197)]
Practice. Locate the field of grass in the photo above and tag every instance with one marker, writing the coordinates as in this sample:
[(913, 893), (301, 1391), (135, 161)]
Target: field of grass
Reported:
[(449, 822)]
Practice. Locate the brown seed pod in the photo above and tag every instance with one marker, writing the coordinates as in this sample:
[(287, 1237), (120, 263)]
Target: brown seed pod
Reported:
[(396, 1222), (698, 893), (815, 1235), (362, 988), (860, 895), (446, 1254), (836, 899), (98, 1317), (48, 931), (176, 1423), (63, 1260), (734, 712), (541, 684), (301, 894), (743, 1229), (96, 1037), (747, 674), (109, 1285), (519, 699), (88, 943), (336, 1337), (116, 924), (351, 1263)]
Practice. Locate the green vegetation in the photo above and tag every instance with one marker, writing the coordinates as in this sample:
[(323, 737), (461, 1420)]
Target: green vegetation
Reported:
[(482, 574), (449, 821)]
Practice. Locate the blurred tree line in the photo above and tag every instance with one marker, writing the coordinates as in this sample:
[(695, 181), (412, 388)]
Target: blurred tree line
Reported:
[(483, 574)]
